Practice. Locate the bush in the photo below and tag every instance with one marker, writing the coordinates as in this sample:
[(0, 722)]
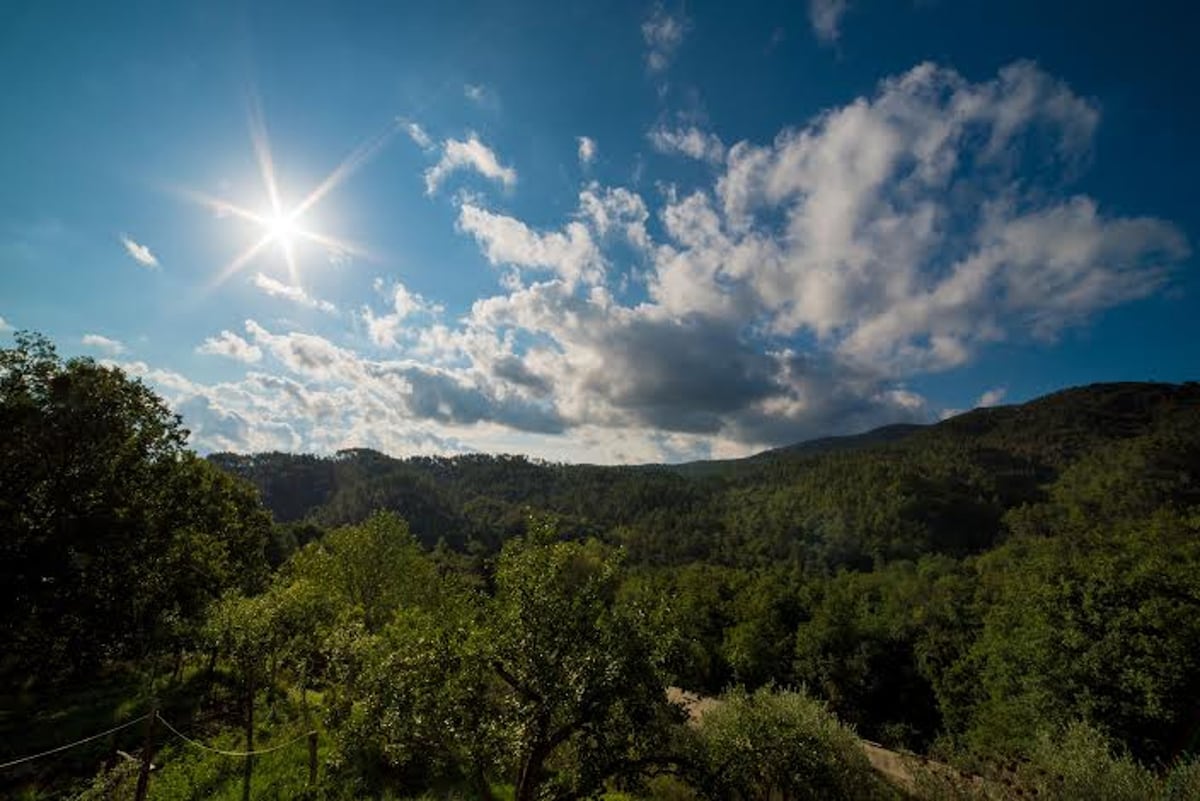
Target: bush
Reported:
[(773, 744), (1075, 762)]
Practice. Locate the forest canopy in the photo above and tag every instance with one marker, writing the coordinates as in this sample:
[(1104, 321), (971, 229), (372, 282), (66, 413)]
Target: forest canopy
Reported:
[(1019, 583)]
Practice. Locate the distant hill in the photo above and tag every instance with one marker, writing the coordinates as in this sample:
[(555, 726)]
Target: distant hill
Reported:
[(892, 492)]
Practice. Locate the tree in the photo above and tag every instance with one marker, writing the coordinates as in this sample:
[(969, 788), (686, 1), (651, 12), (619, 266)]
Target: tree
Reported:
[(115, 537), (585, 675), (552, 684)]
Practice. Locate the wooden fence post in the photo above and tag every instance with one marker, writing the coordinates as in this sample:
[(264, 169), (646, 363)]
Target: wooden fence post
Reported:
[(312, 759), (143, 784)]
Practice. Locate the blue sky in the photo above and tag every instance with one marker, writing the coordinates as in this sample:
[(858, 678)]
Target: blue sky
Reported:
[(610, 232)]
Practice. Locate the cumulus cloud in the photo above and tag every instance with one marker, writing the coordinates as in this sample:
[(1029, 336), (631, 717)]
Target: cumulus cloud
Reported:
[(468, 155), (587, 150), (826, 18), (296, 294), (385, 329), (140, 253), (690, 142), (792, 292), (232, 346), (663, 34), (112, 347), (505, 240)]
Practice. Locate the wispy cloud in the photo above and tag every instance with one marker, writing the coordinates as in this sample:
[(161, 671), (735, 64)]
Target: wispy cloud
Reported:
[(4, 325), (296, 294), (587, 149), (140, 253), (471, 154), (475, 92), (691, 142), (416, 133), (663, 34), (826, 18), (231, 346), (112, 347)]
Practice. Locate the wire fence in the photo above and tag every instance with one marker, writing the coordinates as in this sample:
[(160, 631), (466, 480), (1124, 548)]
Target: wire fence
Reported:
[(223, 752), (154, 713), (69, 746)]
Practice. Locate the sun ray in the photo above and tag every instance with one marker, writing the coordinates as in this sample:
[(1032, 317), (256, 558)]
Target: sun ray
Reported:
[(262, 152), (241, 260), (357, 158)]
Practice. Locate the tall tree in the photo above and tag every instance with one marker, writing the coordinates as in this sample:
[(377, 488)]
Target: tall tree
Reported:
[(113, 534)]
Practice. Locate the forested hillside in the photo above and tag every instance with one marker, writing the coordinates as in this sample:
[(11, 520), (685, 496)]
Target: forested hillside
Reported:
[(1015, 591)]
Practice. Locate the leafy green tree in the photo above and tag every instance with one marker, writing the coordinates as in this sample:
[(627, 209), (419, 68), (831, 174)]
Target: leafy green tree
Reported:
[(584, 675), (1100, 624), (115, 537)]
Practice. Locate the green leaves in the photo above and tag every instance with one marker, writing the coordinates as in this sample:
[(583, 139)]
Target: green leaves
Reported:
[(115, 537), (772, 744)]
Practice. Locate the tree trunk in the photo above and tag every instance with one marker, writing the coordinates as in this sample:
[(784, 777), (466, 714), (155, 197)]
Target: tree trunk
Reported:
[(530, 774), (482, 786)]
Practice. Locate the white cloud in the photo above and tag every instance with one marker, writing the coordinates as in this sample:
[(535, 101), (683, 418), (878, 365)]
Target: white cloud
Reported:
[(4, 325), (690, 142), (140, 253), (991, 397), (472, 155), (571, 253), (110, 346), (384, 329), (826, 18), (416, 133), (296, 294), (474, 92), (232, 346), (617, 209), (663, 34), (587, 150), (794, 294)]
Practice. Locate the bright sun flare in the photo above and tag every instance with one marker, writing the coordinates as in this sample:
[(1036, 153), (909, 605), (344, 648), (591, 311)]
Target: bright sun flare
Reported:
[(282, 228), (279, 226)]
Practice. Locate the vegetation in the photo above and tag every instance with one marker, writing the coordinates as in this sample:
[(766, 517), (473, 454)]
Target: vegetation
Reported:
[(1014, 591)]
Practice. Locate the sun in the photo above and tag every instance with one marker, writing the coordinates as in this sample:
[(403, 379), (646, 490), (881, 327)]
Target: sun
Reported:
[(282, 228), (280, 225)]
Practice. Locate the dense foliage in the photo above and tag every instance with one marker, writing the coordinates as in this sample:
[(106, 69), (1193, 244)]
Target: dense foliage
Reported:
[(1016, 589)]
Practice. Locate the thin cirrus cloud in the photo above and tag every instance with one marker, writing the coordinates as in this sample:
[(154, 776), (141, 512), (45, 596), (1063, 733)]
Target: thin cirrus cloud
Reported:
[(662, 33), (140, 253), (111, 347), (793, 290), (469, 154), (825, 16)]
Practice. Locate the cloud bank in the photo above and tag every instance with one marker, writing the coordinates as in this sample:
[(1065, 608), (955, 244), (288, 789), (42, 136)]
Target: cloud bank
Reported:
[(793, 290)]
